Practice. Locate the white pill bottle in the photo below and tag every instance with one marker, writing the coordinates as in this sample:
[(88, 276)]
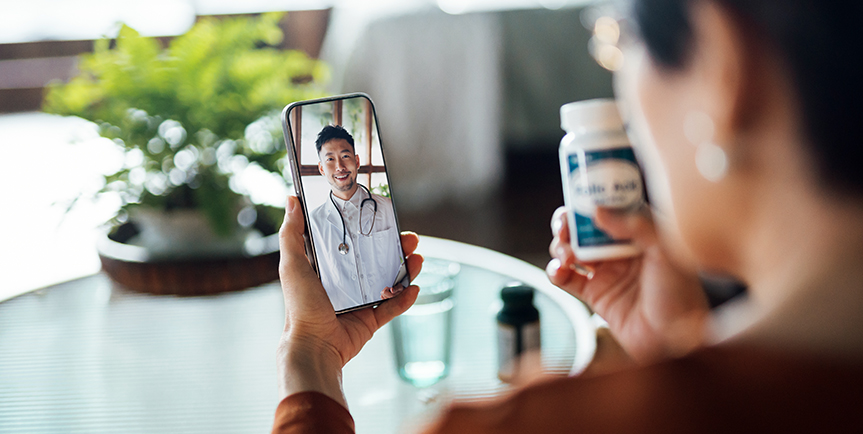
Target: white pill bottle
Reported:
[(598, 168)]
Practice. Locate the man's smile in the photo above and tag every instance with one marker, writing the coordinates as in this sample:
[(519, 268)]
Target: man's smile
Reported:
[(341, 177)]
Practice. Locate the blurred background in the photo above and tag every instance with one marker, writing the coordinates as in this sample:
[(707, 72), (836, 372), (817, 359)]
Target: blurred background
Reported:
[(467, 95)]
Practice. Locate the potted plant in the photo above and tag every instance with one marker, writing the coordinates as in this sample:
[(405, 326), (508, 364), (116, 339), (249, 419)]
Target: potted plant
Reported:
[(193, 118)]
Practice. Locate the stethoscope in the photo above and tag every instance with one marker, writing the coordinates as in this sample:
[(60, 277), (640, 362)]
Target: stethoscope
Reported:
[(343, 247)]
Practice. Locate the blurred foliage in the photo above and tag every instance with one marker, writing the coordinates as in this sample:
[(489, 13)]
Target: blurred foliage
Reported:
[(192, 115), (382, 190)]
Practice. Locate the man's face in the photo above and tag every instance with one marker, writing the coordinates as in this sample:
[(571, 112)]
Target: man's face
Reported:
[(338, 164)]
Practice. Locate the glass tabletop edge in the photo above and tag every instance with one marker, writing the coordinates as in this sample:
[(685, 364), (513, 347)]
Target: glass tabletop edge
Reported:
[(577, 313)]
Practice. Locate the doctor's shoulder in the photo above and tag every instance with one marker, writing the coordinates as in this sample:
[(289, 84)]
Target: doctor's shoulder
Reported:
[(318, 215), (383, 200)]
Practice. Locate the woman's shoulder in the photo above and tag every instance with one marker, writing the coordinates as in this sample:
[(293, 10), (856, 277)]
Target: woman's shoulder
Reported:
[(718, 389)]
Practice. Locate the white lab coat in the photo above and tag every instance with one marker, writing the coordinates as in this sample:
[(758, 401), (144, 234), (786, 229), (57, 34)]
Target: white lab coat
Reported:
[(372, 263)]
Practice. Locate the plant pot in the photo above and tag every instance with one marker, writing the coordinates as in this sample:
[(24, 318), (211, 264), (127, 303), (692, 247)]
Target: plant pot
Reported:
[(183, 234), (181, 258)]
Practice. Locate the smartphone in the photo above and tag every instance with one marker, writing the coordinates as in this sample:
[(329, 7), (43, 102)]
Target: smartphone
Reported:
[(339, 170)]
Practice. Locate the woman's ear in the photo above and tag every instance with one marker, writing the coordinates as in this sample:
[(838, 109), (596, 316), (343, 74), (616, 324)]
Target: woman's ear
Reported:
[(719, 69), (738, 81)]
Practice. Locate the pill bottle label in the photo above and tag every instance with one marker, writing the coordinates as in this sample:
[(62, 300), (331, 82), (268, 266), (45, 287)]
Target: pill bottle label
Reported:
[(609, 178), (512, 342)]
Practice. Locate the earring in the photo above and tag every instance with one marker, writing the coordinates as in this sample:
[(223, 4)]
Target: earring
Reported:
[(710, 159)]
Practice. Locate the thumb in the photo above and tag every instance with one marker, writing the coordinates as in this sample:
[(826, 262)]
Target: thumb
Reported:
[(300, 285), (397, 305), (291, 239), (626, 225)]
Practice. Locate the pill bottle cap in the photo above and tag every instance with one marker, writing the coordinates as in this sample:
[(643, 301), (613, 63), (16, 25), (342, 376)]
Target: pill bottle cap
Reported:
[(517, 294), (590, 116)]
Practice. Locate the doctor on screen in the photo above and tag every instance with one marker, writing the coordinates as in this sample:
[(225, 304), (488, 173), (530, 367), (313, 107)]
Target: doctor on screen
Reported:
[(354, 231)]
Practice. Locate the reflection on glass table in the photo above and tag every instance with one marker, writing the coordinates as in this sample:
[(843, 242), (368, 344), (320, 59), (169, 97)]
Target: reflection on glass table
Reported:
[(85, 356)]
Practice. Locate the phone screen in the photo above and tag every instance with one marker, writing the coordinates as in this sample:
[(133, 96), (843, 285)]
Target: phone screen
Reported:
[(340, 176)]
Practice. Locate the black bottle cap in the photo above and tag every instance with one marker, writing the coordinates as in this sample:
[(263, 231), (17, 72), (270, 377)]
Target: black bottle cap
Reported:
[(517, 294)]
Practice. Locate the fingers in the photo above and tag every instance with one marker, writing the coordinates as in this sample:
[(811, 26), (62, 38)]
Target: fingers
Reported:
[(558, 222), (409, 241), (626, 225), (565, 277), (396, 305), (388, 292), (560, 225), (562, 250), (560, 247), (415, 265)]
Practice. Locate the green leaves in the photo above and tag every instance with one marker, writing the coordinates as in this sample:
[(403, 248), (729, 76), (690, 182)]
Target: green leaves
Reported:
[(191, 98), (216, 76)]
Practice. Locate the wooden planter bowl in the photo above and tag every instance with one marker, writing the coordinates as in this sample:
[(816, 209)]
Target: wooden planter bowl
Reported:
[(132, 267)]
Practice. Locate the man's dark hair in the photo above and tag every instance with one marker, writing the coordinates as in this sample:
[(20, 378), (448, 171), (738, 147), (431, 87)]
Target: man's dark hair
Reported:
[(818, 42), (332, 132)]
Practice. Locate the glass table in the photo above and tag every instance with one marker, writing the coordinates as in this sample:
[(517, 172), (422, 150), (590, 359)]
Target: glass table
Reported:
[(85, 356)]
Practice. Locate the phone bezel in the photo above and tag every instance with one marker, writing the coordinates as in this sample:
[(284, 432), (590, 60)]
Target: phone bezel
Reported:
[(298, 186)]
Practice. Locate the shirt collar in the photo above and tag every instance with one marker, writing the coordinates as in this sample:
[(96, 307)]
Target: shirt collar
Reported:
[(355, 200)]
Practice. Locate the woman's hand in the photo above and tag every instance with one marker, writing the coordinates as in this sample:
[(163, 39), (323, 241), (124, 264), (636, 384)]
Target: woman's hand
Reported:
[(653, 308), (316, 343), (390, 292)]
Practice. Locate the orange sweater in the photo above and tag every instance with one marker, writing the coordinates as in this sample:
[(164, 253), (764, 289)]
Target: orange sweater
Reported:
[(721, 389)]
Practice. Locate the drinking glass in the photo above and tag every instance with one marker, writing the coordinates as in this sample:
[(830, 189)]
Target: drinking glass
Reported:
[(422, 336)]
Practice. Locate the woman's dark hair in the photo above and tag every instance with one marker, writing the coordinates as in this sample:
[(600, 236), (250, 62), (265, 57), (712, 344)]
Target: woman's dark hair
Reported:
[(820, 43), (332, 132)]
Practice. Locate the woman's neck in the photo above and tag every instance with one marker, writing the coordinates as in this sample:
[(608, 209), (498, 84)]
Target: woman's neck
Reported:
[(806, 287)]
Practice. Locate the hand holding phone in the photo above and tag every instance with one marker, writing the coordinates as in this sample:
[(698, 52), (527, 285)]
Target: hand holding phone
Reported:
[(340, 176), (316, 343)]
